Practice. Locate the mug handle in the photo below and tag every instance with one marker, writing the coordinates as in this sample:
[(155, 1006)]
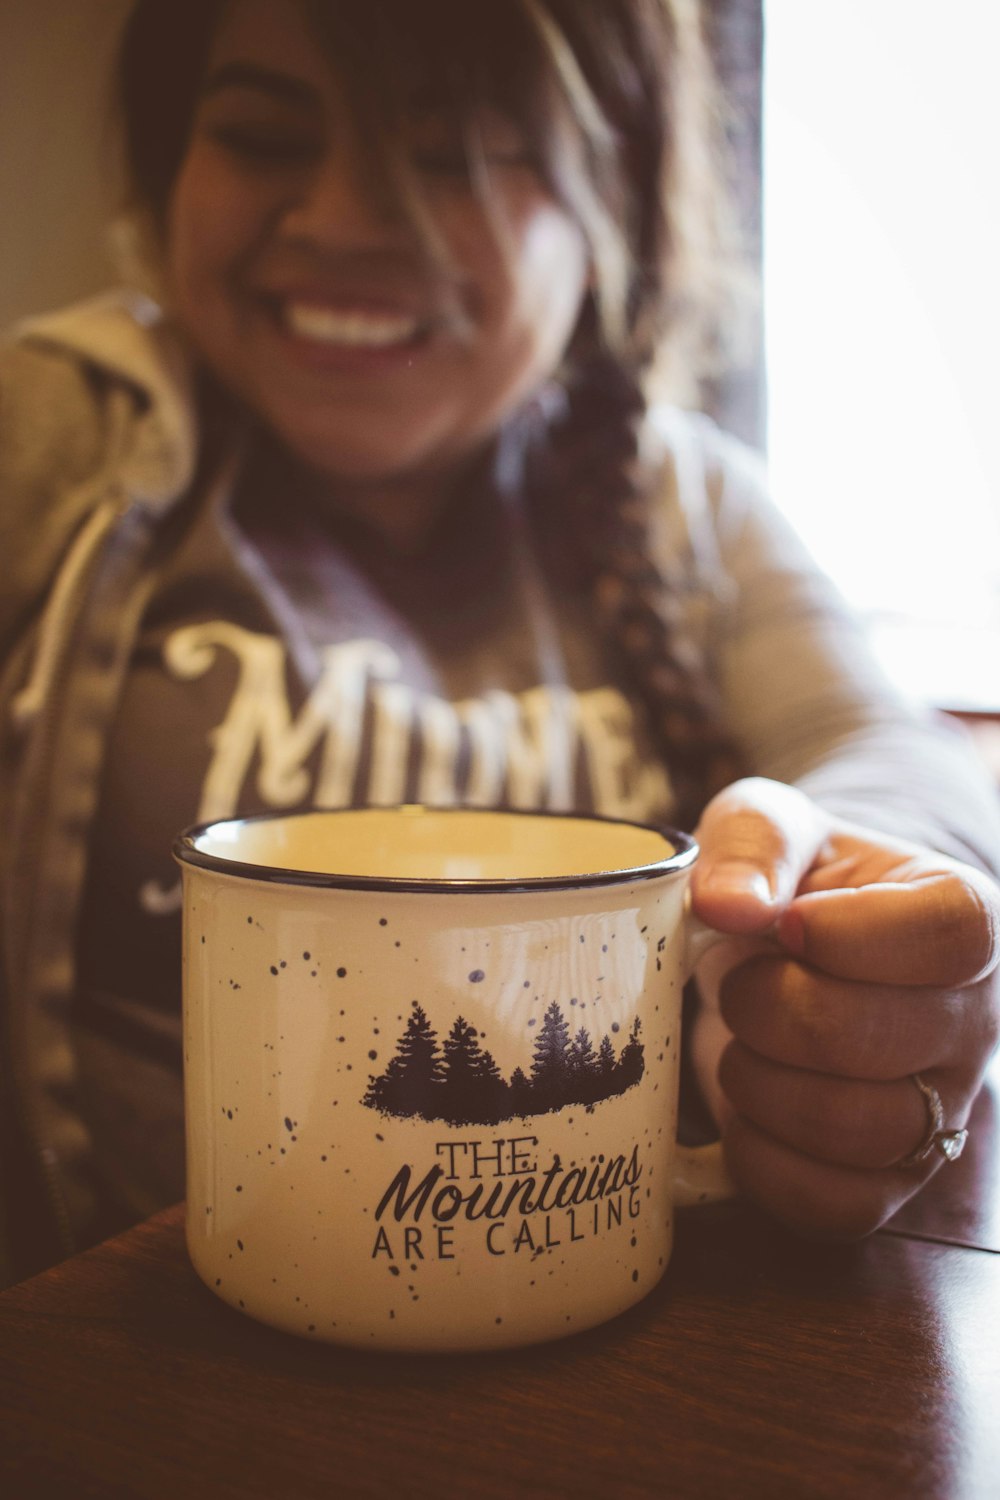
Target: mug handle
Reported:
[(700, 1174)]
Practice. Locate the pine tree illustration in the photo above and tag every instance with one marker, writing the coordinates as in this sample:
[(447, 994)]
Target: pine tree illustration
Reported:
[(631, 1064), (413, 1078), (493, 1091), (519, 1096), (581, 1052), (463, 1073), (550, 1068), (606, 1058), (583, 1068)]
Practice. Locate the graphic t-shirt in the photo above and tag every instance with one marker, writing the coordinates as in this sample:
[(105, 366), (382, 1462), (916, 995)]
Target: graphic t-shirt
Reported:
[(288, 660)]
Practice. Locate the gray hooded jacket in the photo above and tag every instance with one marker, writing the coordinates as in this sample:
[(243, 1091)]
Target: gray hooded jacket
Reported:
[(98, 458)]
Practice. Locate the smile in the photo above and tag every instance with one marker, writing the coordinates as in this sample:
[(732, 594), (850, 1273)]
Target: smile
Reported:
[(353, 328)]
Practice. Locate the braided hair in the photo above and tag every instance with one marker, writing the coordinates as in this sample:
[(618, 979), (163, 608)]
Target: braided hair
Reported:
[(590, 490)]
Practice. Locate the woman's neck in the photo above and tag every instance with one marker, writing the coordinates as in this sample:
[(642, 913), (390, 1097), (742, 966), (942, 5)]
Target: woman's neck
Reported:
[(399, 513)]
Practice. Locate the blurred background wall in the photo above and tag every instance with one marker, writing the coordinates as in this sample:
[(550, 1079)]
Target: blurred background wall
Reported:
[(58, 174)]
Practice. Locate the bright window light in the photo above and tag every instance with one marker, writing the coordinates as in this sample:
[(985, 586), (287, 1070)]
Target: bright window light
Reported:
[(882, 262)]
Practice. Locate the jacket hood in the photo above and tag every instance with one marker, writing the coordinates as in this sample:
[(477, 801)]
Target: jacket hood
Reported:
[(96, 408), (124, 338)]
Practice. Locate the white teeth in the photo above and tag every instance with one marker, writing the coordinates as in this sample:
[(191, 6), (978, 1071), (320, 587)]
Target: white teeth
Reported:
[(356, 330)]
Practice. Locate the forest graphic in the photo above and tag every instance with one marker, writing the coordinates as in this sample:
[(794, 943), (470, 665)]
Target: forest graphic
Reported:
[(460, 1082)]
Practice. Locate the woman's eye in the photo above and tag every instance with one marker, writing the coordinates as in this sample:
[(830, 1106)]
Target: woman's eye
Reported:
[(265, 147), (443, 160), (454, 162)]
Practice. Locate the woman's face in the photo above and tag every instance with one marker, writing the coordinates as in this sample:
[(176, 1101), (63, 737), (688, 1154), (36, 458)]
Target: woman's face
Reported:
[(323, 313)]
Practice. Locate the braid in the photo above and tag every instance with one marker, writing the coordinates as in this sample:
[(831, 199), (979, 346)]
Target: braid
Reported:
[(590, 485)]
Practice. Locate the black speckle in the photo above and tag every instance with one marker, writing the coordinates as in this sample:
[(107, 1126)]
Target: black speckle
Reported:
[(499, 1320), (635, 1275), (393, 1270), (532, 1021), (274, 969), (239, 1187), (379, 1137), (311, 1328), (383, 921), (229, 1114), (372, 1054), (239, 1244), (615, 1026), (249, 921), (477, 976), (288, 1123), (283, 965), (307, 956), (218, 1280), (341, 973)]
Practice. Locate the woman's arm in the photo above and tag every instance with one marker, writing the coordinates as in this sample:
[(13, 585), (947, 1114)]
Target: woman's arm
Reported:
[(849, 871)]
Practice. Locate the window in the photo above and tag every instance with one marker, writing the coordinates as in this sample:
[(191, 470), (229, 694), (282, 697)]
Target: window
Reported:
[(882, 298)]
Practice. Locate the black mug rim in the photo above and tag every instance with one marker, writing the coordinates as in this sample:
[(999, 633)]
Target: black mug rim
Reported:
[(186, 852)]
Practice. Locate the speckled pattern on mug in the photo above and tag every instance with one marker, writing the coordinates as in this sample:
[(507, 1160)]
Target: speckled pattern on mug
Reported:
[(450, 1226)]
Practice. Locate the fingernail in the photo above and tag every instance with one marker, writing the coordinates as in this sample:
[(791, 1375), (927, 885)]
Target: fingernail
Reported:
[(734, 878), (791, 931)]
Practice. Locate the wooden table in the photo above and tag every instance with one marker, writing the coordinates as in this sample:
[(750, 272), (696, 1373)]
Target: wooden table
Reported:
[(761, 1366)]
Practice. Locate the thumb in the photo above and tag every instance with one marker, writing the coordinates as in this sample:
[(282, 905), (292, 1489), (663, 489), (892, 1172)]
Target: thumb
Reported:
[(757, 838)]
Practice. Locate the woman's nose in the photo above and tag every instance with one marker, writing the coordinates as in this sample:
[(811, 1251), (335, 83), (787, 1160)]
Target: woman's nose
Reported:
[(338, 205)]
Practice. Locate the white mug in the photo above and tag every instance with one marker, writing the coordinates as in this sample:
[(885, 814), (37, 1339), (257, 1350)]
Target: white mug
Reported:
[(431, 1070)]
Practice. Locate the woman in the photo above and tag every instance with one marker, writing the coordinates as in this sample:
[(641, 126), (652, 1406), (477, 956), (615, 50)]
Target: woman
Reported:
[(369, 506)]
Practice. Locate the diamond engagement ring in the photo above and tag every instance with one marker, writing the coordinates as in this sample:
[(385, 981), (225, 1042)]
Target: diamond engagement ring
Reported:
[(950, 1143)]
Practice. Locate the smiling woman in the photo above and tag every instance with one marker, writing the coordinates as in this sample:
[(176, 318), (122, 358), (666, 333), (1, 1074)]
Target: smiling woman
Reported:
[(371, 506), (377, 354)]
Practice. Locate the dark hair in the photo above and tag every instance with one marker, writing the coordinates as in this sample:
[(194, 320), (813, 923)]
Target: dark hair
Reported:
[(615, 100), (614, 96)]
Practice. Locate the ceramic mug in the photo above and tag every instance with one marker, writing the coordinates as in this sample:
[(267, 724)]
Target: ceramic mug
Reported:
[(431, 1070)]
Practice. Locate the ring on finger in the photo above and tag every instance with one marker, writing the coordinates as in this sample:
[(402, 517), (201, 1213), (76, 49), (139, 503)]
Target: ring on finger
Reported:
[(949, 1143)]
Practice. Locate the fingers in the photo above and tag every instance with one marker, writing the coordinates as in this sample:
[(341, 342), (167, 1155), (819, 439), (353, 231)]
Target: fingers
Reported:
[(935, 928), (805, 1019), (856, 905), (821, 1104), (844, 1122), (877, 968), (757, 840), (817, 1199)]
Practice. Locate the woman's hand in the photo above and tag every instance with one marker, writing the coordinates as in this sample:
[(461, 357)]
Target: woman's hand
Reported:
[(857, 960)]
